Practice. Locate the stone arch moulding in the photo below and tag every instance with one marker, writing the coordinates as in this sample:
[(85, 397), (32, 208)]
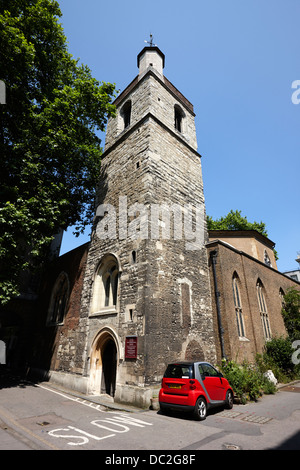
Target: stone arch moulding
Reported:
[(103, 258), (193, 349), (102, 337), (99, 304), (108, 331), (194, 352)]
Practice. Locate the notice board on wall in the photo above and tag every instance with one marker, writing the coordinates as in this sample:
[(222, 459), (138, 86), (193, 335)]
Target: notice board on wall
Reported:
[(131, 347)]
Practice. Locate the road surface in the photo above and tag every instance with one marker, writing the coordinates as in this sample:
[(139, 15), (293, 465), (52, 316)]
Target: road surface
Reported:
[(43, 417)]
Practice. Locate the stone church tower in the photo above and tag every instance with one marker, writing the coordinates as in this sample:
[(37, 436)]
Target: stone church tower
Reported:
[(146, 294)]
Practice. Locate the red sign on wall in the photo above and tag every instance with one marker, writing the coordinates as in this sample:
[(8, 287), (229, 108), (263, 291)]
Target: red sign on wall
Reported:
[(131, 347)]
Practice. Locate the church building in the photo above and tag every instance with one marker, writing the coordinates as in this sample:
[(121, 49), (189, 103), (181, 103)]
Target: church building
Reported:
[(150, 287), (145, 296)]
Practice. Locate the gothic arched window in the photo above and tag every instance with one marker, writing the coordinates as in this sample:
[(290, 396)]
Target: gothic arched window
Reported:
[(267, 260), (178, 118), (105, 292), (238, 306), (59, 299), (281, 297), (263, 309), (126, 114)]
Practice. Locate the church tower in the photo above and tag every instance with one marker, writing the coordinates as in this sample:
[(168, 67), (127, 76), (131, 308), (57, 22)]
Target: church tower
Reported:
[(146, 295)]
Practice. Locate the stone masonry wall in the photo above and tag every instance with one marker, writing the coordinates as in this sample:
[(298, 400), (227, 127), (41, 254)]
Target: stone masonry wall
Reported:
[(168, 287), (151, 95), (164, 289)]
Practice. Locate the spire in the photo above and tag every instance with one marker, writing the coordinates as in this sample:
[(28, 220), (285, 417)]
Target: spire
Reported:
[(151, 56)]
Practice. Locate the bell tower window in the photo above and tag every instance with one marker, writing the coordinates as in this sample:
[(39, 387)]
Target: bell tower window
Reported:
[(178, 118), (126, 114)]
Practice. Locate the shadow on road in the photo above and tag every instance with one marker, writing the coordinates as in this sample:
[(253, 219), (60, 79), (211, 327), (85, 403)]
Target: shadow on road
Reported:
[(10, 379), (293, 443)]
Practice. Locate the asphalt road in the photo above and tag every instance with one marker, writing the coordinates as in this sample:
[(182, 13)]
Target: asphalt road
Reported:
[(42, 417)]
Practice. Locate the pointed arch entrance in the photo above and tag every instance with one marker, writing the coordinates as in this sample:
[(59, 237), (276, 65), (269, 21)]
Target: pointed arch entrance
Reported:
[(104, 361), (109, 368)]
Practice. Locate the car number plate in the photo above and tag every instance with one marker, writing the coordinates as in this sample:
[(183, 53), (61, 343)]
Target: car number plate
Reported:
[(174, 386)]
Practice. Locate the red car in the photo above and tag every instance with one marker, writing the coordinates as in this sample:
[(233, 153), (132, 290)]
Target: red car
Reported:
[(194, 387)]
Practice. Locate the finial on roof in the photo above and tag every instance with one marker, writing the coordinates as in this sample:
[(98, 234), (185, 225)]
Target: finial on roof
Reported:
[(151, 41), (151, 56)]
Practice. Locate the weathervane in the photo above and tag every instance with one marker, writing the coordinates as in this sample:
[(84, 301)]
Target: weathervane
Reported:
[(151, 41)]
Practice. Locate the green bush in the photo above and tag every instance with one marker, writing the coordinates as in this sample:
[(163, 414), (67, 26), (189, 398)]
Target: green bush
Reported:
[(277, 356), (291, 313), (247, 380)]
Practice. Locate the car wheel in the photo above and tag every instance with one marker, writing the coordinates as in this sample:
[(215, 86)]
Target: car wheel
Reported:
[(229, 400), (200, 410)]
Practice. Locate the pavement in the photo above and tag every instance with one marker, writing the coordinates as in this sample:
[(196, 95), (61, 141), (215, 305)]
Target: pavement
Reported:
[(106, 401), (11, 379)]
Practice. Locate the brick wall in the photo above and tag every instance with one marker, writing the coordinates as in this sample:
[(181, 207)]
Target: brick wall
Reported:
[(233, 262)]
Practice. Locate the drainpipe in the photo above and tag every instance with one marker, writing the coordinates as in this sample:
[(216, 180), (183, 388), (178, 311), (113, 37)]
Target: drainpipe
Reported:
[(213, 257)]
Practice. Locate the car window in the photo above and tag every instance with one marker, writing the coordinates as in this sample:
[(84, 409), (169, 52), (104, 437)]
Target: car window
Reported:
[(207, 370), (179, 371)]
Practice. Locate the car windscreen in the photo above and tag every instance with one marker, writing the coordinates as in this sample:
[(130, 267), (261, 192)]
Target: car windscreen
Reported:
[(179, 371)]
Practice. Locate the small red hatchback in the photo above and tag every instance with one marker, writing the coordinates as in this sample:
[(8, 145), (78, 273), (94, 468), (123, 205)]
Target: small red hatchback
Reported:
[(194, 387)]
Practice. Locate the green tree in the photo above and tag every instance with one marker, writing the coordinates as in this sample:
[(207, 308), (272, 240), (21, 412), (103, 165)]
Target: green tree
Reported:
[(291, 313), (235, 221), (50, 151)]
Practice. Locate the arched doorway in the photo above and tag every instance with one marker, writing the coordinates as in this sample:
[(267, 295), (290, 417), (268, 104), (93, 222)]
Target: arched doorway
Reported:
[(103, 366), (109, 368)]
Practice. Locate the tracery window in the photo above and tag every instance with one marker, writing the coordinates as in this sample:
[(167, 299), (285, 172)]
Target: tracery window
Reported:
[(105, 293), (238, 306), (263, 310), (59, 299)]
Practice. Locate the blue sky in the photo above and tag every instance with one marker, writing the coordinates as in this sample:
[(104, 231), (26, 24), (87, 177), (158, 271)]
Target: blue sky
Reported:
[(235, 60)]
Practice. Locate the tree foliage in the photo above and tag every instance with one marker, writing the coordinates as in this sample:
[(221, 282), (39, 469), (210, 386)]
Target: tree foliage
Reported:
[(235, 221), (49, 148), (291, 313)]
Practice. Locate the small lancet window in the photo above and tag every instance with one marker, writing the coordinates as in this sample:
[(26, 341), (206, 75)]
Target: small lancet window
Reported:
[(178, 118), (267, 260), (133, 257), (126, 114)]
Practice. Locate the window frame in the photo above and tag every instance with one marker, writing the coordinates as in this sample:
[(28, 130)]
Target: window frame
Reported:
[(59, 300), (238, 307), (106, 287), (179, 119), (125, 113), (267, 259), (262, 305), (207, 370)]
